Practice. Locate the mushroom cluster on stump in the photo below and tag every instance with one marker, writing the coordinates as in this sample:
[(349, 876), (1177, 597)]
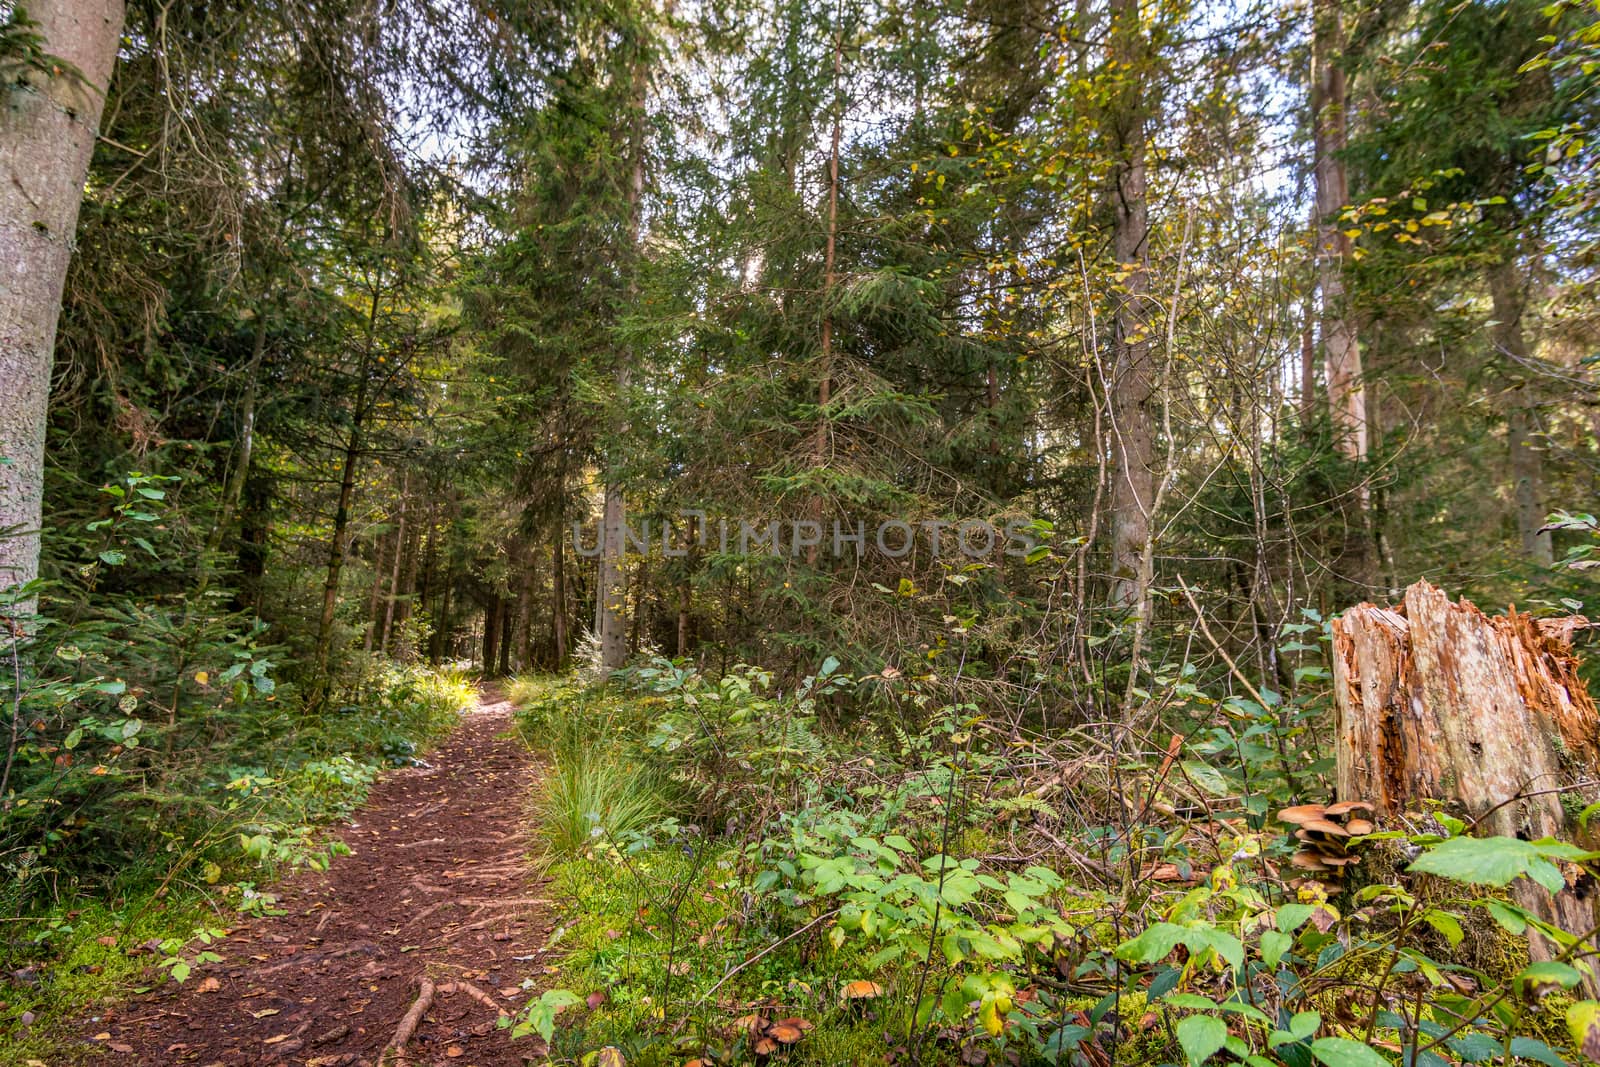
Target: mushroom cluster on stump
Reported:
[(1325, 833)]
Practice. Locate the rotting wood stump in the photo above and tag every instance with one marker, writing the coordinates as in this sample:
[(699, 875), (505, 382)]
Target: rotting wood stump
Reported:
[(1438, 701)]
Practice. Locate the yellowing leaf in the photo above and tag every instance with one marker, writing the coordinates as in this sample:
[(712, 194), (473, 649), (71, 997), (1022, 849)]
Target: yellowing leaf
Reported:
[(1583, 1021), (990, 1018)]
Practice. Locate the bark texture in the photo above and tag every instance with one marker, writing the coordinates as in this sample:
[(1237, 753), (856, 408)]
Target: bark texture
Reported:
[(1439, 701), (47, 136)]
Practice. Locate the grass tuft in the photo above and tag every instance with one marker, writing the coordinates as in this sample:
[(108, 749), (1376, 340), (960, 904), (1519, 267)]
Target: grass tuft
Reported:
[(591, 796)]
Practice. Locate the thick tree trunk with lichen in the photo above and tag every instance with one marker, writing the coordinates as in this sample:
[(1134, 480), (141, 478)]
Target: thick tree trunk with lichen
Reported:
[(1438, 701), (48, 122)]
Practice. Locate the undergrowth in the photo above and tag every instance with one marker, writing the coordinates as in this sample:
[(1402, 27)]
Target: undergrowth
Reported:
[(872, 869)]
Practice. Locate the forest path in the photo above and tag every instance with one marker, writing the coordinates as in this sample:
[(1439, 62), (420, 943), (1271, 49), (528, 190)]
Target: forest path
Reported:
[(438, 887)]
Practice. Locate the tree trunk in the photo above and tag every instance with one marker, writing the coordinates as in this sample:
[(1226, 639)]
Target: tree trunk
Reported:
[(686, 591), (1133, 388), (234, 488), (439, 644), (1347, 398), (1440, 701), (341, 514), (558, 595), (825, 378), (47, 136), (1527, 460), (611, 591), (1308, 336), (375, 597), (508, 630), (522, 633), (394, 569), (408, 583), (255, 527), (491, 635)]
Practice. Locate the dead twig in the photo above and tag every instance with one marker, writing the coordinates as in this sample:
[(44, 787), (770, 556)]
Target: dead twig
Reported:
[(408, 1024)]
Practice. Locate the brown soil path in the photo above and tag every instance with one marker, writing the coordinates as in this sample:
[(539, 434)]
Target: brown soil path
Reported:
[(438, 887)]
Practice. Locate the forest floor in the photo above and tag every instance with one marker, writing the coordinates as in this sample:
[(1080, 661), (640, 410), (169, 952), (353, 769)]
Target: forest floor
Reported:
[(437, 894)]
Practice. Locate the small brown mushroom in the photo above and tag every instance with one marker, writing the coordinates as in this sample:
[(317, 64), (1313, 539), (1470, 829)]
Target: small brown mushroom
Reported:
[(861, 990), (1323, 826), (1302, 813), (784, 1033), (1309, 861), (1344, 807), (1358, 827)]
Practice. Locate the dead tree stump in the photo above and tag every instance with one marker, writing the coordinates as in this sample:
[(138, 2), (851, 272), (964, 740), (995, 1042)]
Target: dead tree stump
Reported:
[(1440, 701)]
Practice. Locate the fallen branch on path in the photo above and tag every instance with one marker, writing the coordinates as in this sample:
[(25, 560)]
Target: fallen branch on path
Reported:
[(460, 986), (408, 1025), (395, 1054), (429, 910)]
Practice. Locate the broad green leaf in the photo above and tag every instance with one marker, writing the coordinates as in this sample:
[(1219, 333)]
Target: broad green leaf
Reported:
[(1201, 1037), (1512, 920), (1497, 861), (1446, 924), (1154, 943), (1301, 1026), (1474, 1047), (1273, 945), (1530, 1049), (1547, 972), (1225, 944), (1343, 1052), (1206, 777)]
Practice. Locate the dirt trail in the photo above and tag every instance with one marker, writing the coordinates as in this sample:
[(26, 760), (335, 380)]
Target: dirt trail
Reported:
[(437, 887)]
